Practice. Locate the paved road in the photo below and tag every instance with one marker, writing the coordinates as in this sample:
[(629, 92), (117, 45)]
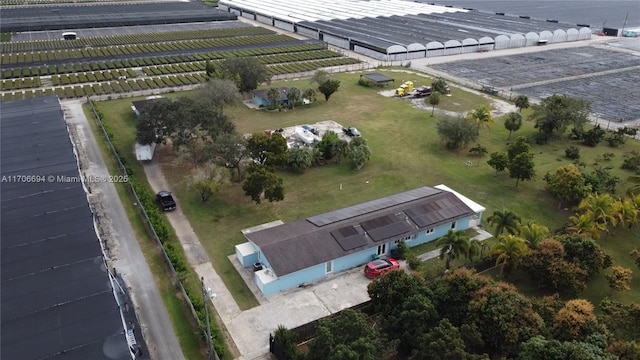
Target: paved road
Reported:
[(123, 249)]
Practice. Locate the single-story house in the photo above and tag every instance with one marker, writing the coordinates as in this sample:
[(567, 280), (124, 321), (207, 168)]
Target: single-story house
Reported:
[(260, 98), (285, 256)]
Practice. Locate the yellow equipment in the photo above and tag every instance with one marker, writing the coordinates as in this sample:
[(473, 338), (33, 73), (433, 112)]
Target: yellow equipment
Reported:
[(405, 88)]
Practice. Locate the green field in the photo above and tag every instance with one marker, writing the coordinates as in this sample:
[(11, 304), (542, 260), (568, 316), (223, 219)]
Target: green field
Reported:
[(406, 153)]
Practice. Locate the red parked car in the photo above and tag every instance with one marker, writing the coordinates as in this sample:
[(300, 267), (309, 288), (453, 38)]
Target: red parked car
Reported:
[(380, 266)]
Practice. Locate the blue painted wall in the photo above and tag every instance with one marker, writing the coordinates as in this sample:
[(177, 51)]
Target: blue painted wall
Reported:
[(292, 280), (260, 101), (353, 260), (247, 260)]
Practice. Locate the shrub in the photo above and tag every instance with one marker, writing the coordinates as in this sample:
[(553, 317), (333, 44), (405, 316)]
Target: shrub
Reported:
[(572, 152), (365, 82), (413, 262), (593, 136), (402, 250), (631, 160)]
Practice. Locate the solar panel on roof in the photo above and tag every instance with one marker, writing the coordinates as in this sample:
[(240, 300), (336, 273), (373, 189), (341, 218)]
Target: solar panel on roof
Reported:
[(445, 208), (348, 238), (371, 206), (385, 227)]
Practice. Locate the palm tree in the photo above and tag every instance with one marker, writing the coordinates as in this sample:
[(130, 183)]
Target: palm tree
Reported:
[(509, 249), (434, 99), (513, 122), (628, 212), (534, 233), (635, 188), (522, 102), (601, 207), (505, 220), (583, 224), (294, 95), (340, 148), (273, 94), (453, 245), (482, 115), (475, 248)]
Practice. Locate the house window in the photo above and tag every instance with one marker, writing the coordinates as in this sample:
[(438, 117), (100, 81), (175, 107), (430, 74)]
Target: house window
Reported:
[(382, 249), (328, 267), (428, 231), (453, 225), (406, 238)]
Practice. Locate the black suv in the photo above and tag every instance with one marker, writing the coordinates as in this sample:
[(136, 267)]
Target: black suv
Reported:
[(165, 200)]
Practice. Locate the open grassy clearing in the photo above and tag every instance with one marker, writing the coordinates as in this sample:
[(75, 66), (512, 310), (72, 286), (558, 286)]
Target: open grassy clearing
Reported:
[(406, 153)]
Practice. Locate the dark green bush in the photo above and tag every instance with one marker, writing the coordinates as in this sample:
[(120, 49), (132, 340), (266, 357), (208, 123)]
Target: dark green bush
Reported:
[(572, 152)]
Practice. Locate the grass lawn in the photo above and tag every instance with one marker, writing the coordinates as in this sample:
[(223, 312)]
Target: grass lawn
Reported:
[(406, 154)]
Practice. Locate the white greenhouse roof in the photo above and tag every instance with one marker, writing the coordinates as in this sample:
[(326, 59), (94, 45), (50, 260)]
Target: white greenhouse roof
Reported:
[(315, 10)]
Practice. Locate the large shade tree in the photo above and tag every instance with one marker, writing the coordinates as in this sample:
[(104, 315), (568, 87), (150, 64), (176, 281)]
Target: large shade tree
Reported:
[(347, 336), (456, 131), (567, 185), (248, 72), (263, 182), (506, 318), (556, 113)]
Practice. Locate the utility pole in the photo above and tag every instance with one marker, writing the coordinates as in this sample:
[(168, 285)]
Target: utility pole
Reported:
[(205, 296)]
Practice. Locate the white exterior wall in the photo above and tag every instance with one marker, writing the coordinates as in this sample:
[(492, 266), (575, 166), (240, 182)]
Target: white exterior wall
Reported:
[(559, 36), (517, 40), (416, 54), (283, 25), (337, 41), (264, 19), (370, 53), (308, 32), (573, 35), (502, 42), (248, 15), (532, 39), (585, 33)]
